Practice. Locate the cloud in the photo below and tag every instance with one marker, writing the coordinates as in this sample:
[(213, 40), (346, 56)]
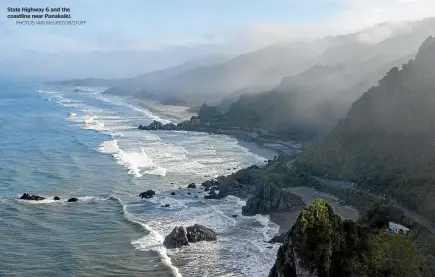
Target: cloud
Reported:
[(356, 15), (144, 48)]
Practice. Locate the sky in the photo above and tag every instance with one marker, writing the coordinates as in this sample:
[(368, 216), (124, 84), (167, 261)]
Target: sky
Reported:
[(126, 37)]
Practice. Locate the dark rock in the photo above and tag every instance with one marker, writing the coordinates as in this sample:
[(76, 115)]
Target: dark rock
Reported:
[(270, 198), (177, 238), (234, 168), (213, 195), (166, 206), (179, 188), (172, 193), (234, 215), (170, 126), (56, 198), (27, 196), (210, 183), (157, 125), (74, 199), (206, 189), (270, 247), (228, 168), (279, 238), (188, 193), (191, 186), (147, 194), (172, 183), (285, 264), (196, 196), (198, 233)]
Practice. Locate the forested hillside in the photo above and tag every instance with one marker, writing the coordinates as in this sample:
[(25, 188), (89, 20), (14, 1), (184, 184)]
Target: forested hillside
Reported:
[(387, 141)]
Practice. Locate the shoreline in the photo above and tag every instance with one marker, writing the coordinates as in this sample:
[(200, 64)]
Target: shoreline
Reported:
[(176, 113), (266, 146), (279, 145)]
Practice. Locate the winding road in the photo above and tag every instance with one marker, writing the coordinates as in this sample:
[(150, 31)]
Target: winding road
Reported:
[(352, 186)]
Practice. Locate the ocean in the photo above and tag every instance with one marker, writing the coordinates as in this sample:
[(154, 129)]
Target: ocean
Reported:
[(58, 141)]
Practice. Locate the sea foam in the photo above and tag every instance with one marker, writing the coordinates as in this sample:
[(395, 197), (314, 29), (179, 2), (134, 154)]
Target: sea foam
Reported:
[(134, 161)]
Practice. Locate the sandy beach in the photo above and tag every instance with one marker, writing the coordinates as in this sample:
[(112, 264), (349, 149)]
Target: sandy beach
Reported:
[(308, 195), (175, 113)]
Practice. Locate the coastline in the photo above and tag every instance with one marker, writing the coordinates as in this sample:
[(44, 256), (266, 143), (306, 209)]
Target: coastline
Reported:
[(176, 113), (250, 140), (266, 146)]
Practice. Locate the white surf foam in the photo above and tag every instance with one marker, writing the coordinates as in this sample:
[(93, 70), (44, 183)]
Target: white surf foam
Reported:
[(93, 122), (133, 160), (153, 241)]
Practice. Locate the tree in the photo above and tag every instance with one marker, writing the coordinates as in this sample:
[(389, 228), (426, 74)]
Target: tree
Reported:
[(329, 247), (315, 237), (393, 255)]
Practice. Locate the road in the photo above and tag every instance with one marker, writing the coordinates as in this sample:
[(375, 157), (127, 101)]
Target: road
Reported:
[(410, 213), (352, 186)]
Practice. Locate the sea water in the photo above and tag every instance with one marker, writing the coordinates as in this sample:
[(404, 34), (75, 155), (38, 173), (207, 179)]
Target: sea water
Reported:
[(58, 141)]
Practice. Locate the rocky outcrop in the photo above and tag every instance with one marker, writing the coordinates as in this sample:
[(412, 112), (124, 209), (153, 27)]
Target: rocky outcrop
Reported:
[(209, 184), (57, 198), (157, 125), (285, 265), (177, 238), (213, 195), (191, 186), (147, 194), (74, 199), (181, 236), (198, 233), (27, 196), (270, 198)]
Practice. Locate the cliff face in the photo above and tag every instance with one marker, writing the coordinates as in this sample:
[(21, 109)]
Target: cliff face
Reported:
[(285, 265), (269, 199)]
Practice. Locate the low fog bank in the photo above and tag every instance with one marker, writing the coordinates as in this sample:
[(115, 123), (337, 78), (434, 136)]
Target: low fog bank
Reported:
[(300, 88)]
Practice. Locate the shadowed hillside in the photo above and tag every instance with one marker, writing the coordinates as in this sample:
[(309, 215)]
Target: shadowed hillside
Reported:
[(387, 141)]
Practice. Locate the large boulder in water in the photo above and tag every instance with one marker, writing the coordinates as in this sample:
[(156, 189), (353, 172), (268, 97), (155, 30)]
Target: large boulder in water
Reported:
[(27, 196), (209, 184), (177, 238), (147, 194), (74, 199), (198, 233), (191, 186)]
